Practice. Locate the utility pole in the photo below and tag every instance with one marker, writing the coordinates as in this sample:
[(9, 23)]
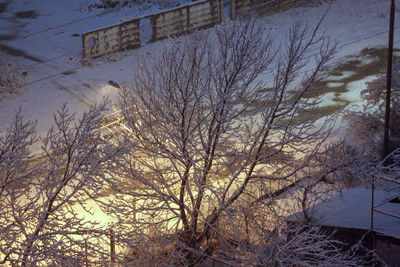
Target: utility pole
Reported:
[(388, 82), (386, 141)]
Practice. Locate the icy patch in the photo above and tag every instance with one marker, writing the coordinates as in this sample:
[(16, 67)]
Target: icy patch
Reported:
[(327, 100), (344, 75), (355, 88), (334, 84), (367, 60)]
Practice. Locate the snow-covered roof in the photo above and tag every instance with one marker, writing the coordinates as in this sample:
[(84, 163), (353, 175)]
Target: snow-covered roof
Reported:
[(352, 209)]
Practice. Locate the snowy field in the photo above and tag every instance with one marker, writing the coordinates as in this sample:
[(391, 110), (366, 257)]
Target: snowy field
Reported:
[(44, 38)]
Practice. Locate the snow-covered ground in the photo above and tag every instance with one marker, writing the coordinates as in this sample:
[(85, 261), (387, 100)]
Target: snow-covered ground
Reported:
[(56, 72), (52, 49)]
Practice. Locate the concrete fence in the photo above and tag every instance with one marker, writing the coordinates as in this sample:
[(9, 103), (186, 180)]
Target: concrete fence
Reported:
[(242, 7), (186, 19), (111, 39), (175, 21)]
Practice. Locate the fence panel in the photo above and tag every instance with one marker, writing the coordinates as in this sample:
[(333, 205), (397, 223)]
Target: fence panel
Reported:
[(286, 4), (168, 23), (130, 34), (185, 19), (206, 14), (111, 39), (240, 7)]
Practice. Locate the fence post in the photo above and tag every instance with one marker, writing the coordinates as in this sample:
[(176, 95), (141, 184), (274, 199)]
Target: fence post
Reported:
[(187, 19), (83, 45), (134, 211), (120, 36), (233, 9), (153, 22), (86, 253), (220, 11), (112, 246)]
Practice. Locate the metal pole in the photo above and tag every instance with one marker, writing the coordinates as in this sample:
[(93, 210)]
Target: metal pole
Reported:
[(86, 253), (372, 203), (385, 151), (388, 82), (112, 247), (372, 212)]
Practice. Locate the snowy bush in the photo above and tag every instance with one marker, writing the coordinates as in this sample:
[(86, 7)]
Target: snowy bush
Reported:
[(11, 75), (366, 126)]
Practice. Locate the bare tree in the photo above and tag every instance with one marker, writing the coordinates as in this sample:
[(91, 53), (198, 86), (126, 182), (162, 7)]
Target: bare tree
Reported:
[(217, 143), (16, 173), (43, 191)]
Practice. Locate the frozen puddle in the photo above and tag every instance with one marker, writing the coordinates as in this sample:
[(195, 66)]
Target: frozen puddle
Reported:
[(355, 88), (349, 78), (337, 76), (335, 84), (345, 82)]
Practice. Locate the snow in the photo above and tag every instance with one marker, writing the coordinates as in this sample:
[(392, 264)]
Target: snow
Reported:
[(356, 24), (355, 89), (64, 76), (352, 209), (345, 74), (335, 84)]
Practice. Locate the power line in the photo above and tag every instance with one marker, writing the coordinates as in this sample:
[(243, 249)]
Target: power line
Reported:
[(79, 67), (61, 25), (353, 42), (77, 52), (57, 27), (176, 18)]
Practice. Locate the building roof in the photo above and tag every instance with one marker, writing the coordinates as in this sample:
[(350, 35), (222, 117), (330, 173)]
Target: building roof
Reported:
[(352, 209)]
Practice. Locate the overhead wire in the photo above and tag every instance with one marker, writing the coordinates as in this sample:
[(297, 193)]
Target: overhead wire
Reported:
[(77, 52), (82, 66), (79, 67), (64, 24)]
